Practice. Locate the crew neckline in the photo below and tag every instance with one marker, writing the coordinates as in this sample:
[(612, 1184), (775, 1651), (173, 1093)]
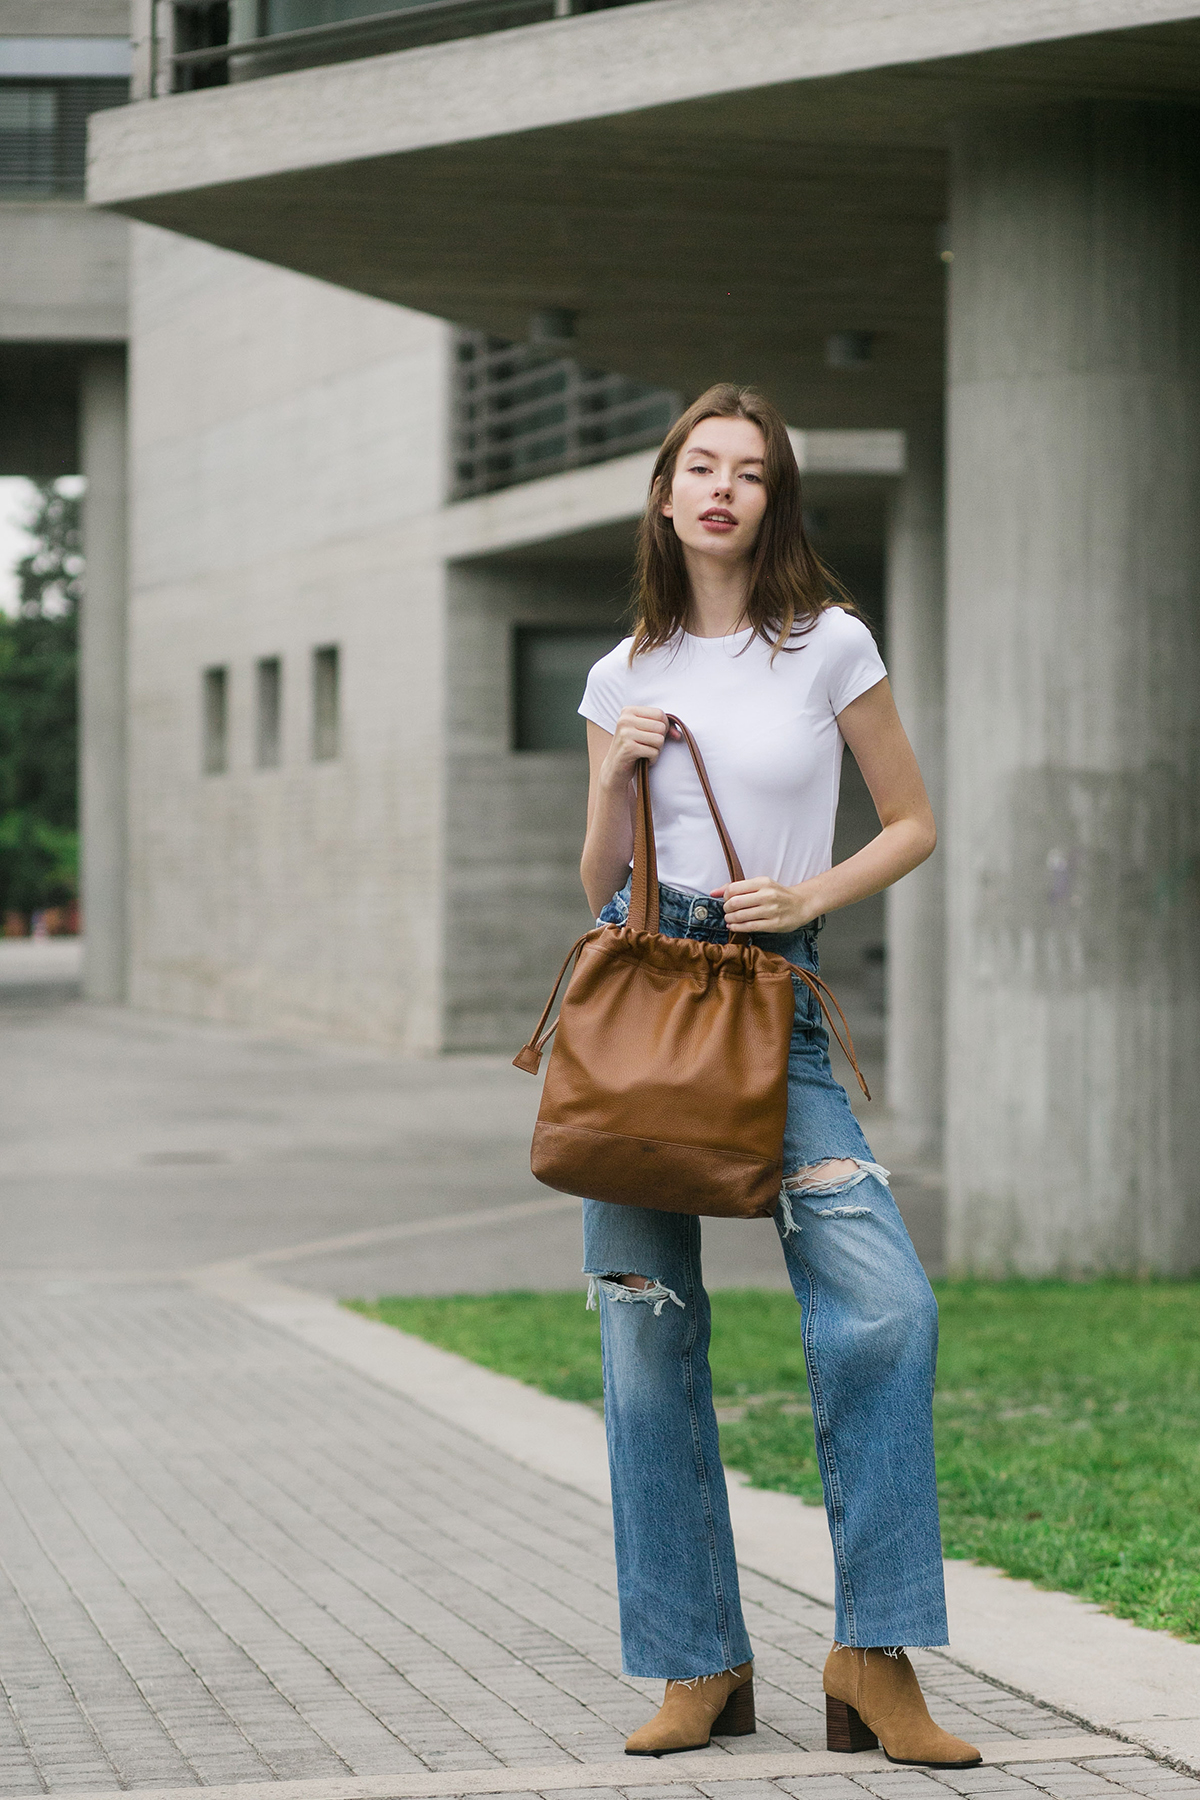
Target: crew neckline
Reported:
[(725, 638)]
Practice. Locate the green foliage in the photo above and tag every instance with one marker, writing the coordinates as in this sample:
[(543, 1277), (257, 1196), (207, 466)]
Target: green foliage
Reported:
[(1067, 1417), (38, 713), (50, 578)]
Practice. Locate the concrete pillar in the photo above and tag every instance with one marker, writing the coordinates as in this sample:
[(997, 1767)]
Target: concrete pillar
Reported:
[(916, 923), (1073, 692), (141, 42), (102, 683)]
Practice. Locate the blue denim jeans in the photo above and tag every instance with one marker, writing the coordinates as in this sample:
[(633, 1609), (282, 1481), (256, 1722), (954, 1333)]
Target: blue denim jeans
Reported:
[(869, 1323)]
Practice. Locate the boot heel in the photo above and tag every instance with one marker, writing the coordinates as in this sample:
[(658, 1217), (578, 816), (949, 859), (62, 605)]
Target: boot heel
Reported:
[(844, 1730), (736, 1719)]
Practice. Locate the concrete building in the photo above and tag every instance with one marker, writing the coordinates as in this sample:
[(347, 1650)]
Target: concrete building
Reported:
[(296, 520), (977, 227), (63, 326)]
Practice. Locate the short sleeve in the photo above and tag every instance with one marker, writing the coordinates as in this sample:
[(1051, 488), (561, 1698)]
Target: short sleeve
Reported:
[(607, 688), (853, 664)]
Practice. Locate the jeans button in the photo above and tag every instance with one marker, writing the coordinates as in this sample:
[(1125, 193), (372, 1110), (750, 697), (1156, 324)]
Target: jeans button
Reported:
[(699, 912)]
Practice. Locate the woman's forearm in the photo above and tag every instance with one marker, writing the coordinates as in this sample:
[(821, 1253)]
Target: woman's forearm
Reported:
[(762, 904), (899, 848), (608, 846)]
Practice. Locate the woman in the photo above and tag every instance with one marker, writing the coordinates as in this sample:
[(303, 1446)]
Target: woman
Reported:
[(737, 635)]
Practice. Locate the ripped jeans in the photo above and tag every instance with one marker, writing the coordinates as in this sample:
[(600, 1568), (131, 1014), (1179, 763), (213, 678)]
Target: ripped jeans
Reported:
[(869, 1322)]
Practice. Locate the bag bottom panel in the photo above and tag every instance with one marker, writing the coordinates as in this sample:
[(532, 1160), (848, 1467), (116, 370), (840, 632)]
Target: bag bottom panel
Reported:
[(654, 1174)]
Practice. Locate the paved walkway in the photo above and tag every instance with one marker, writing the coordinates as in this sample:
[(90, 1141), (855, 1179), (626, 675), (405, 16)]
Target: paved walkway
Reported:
[(229, 1558)]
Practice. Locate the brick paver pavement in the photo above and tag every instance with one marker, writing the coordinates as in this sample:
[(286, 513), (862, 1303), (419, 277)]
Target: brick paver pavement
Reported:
[(229, 1560), (226, 1558)]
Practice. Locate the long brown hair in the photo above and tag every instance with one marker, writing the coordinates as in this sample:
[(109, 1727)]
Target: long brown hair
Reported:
[(789, 584)]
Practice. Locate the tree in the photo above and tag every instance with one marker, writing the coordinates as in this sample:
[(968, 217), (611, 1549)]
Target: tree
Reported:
[(39, 712)]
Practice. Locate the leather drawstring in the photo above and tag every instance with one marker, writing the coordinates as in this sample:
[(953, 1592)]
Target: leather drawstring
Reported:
[(529, 1056), (847, 1047)]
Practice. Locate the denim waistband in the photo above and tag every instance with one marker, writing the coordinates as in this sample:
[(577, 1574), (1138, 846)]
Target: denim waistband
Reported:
[(700, 916)]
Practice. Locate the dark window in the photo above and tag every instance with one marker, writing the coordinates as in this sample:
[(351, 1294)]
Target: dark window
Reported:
[(268, 723), (43, 132), (216, 721), (326, 722), (550, 671)]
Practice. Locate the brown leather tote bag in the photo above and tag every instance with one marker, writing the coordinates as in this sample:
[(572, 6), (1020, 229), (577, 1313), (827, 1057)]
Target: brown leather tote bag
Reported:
[(667, 1083)]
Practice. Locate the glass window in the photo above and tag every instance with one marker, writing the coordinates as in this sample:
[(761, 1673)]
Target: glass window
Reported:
[(216, 721), (43, 132), (28, 136), (550, 671), (268, 720), (300, 15), (326, 721)]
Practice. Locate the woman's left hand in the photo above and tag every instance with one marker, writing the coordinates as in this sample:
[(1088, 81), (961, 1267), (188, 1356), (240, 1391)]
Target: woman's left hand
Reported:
[(761, 904)]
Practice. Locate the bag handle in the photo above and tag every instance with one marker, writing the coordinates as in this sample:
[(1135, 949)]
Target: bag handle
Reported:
[(643, 898), (643, 912)]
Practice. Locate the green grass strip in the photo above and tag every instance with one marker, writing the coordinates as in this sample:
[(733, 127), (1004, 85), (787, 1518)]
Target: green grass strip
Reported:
[(1068, 1418)]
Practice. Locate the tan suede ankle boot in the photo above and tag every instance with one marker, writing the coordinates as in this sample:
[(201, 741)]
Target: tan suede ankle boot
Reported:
[(873, 1697), (693, 1711)]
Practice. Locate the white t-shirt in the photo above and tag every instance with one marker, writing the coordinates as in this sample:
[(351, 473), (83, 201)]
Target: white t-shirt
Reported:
[(769, 737)]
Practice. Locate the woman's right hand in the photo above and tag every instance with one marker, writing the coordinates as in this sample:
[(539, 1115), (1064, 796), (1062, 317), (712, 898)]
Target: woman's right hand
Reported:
[(640, 732)]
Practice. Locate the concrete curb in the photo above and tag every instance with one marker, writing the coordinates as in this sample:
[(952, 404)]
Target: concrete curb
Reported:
[(1141, 1686)]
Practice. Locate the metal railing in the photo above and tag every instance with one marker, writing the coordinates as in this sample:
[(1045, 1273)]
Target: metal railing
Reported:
[(520, 412), (206, 43)]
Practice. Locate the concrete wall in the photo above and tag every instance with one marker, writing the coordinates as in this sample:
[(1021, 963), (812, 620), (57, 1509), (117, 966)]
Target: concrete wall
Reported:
[(287, 458), (514, 818)]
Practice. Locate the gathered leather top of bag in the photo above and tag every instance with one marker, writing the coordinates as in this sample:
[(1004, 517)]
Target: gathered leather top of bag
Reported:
[(667, 1081)]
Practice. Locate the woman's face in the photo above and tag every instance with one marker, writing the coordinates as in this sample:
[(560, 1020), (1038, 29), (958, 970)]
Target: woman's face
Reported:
[(718, 492)]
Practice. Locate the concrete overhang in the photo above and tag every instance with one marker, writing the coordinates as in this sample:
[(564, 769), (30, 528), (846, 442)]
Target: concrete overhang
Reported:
[(712, 189), (64, 274), (586, 515)]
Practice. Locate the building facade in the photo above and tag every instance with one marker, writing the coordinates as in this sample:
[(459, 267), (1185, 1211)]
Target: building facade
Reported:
[(63, 330), (958, 244), (360, 618)]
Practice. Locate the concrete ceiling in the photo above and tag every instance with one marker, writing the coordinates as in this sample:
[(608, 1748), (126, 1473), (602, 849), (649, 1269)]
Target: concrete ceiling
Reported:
[(725, 236)]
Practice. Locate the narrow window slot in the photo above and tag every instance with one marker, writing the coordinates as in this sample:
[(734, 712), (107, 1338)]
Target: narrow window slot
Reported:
[(216, 721), (269, 712), (326, 704)]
